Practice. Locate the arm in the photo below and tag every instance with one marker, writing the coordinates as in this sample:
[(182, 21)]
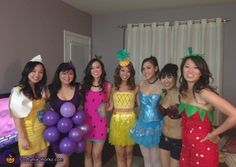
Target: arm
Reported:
[(225, 107), (21, 133), (137, 104), (110, 100)]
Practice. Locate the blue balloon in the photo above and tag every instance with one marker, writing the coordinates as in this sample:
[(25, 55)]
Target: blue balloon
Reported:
[(76, 134), (78, 118), (64, 125), (80, 146), (50, 118), (67, 109), (51, 134), (67, 146)]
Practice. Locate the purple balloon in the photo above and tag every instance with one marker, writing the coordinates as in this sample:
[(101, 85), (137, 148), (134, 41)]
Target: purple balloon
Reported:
[(78, 118), (67, 109), (67, 146), (76, 134), (86, 128), (80, 146), (64, 125), (50, 118), (51, 134)]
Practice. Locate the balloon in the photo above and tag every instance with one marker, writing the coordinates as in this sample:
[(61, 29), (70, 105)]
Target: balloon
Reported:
[(67, 146), (64, 125), (78, 118), (80, 146), (50, 118), (76, 134), (67, 109), (51, 134), (86, 128)]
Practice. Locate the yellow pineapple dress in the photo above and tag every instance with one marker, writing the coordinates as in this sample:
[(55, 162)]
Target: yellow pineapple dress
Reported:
[(122, 121)]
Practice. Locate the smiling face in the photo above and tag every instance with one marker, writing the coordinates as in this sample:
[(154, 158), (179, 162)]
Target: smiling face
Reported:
[(36, 74), (96, 70), (66, 77), (191, 71), (124, 73), (149, 70), (168, 81)]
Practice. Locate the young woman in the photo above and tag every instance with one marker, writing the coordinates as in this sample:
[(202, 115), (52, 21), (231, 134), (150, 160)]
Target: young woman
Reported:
[(95, 92), (198, 101), (123, 117), (170, 142), (147, 130), (26, 100), (63, 89)]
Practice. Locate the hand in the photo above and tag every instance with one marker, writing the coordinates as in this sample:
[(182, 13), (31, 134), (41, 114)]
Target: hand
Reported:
[(212, 138), (25, 145)]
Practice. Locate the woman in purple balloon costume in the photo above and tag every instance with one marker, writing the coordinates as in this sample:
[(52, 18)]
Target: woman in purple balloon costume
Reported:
[(63, 91), (95, 92)]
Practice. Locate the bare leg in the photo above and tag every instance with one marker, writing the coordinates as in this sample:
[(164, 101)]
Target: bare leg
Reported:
[(25, 161), (155, 157), (174, 162), (129, 155), (165, 158), (97, 153), (41, 154), (121, 156), (146, 156), (64, 160), (88, 161)]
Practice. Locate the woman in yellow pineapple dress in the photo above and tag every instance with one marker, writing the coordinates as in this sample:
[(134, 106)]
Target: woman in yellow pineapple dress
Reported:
[(26, 101), (123, 117)]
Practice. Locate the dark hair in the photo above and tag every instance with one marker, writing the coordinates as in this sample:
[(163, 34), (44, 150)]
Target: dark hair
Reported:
[(153, 61), (88, 78), (169, 70), (131, 80), (55, 86), (204, 79), (24, 82)]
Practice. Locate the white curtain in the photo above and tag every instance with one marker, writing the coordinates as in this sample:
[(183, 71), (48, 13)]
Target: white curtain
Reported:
[(169, 43)]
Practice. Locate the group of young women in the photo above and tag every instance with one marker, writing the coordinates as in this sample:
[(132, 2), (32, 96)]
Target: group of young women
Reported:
[(170, 120)]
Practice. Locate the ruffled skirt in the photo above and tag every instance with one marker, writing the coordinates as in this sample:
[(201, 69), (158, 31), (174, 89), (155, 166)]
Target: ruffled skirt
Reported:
[(120, 125), (147, 133)]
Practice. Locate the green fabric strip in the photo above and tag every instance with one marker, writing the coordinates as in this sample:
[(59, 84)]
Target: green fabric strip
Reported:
[(191, 110)]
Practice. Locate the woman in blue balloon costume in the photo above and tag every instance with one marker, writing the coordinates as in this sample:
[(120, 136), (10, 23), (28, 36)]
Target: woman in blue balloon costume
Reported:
[(147, 130), (64, 99)]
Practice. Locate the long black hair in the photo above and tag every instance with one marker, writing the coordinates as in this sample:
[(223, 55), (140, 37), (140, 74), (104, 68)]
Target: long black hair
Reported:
[(88, 78), (204, 80), (24, 82), (55, 86)]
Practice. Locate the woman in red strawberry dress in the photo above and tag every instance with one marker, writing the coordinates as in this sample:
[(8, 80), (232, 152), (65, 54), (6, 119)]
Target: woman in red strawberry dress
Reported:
[(197, 103)]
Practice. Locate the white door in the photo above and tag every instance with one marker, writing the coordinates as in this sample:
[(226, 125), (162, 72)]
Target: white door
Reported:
[(77, 49)]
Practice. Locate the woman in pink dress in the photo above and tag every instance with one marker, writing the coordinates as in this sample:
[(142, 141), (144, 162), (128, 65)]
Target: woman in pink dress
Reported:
[(95, 93)]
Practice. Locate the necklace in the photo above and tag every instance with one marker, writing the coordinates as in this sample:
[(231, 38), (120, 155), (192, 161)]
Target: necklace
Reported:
[(96, 86), (152, 82)]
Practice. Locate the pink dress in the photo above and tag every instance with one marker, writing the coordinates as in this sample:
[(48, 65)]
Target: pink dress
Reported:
[(93, 100)]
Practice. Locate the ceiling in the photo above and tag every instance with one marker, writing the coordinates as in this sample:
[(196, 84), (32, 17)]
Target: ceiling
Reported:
[(99, 7)]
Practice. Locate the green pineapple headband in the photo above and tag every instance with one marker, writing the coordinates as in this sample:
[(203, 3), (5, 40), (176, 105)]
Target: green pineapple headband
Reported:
[(190, 51), (123, 55)]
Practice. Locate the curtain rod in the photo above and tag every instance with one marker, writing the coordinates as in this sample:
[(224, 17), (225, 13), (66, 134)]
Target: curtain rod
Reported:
[(172, 23)]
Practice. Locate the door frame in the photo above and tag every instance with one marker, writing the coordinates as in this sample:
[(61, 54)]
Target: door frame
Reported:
[(71, 37)]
